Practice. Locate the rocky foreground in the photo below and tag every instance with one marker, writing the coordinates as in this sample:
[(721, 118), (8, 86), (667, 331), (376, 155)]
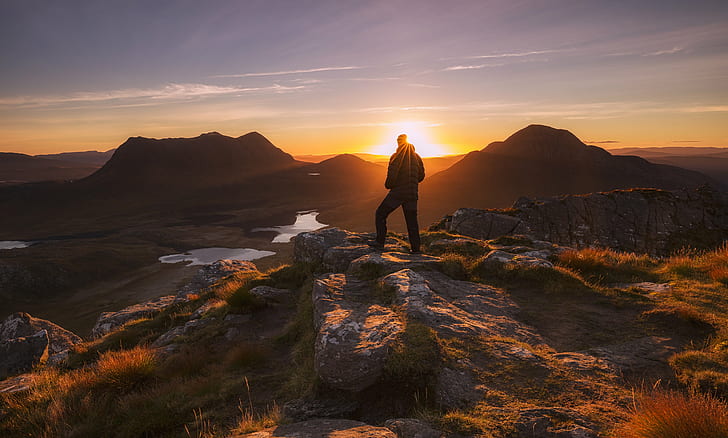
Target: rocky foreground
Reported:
[(407, 345)]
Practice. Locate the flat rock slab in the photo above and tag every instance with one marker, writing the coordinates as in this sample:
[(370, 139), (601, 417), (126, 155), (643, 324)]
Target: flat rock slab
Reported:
[(353, 336), (323, 429), (388, 262), (458, 308)]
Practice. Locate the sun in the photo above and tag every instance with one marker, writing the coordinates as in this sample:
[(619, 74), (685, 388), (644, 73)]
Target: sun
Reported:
[(418, 133)]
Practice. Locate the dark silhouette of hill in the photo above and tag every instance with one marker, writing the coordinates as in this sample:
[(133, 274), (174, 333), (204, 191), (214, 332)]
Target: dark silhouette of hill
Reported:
[(708, 160), (21, 168), (95, 158), (660, 151), (540, 161), (432, 164), (207, 160)]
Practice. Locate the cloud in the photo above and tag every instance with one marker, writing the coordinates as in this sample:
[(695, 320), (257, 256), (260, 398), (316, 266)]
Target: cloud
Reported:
[(515, 54), (602, 142), (287, 72), (706, 109), (469, 67), (166, 92), (665, 52), (686, 141)]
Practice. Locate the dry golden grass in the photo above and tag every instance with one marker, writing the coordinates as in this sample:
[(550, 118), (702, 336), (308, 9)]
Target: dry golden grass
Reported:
[(606, 265), (707, 265), (676, 415), (252, 422), (126, 369)]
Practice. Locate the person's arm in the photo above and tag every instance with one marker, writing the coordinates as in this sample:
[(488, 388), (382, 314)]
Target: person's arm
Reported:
[(421, 168), (392, 171)]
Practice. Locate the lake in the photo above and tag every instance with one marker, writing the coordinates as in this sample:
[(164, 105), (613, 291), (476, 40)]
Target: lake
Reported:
[(305, 221), (206, 256), (13, 244)]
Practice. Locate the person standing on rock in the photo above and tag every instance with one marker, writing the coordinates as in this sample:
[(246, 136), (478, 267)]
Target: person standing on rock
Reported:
[(404, 173)]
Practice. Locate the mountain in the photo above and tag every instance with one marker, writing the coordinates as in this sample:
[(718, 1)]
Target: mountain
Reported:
[(648, 152), (20, 168), (206, 160), (432, 164), (540, 161), (708, 160), (94, 158)]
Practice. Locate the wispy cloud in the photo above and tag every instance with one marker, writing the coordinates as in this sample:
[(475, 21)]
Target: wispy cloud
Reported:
[(515, 54), (705, 109), (166, 92), (288, 72), (470, 67), (665, 52), (602, 142), (685, 141)]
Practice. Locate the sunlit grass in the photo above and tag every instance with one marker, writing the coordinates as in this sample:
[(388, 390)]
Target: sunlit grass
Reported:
[(676, 415)]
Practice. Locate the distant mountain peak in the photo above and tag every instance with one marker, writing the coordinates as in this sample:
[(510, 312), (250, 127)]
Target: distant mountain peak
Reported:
[(209, 158), (545, 143)]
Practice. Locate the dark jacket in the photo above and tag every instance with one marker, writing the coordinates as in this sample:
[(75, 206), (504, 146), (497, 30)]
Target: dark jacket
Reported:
[(404, 173)]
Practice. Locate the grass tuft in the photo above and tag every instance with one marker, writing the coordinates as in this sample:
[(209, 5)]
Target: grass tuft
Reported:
[(415, 360), (677, 415), (127, 369), (609, 266)]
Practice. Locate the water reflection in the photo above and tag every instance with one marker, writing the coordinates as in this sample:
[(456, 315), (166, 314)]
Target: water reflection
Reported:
[(305, 221), (13, 244), (206, 256)]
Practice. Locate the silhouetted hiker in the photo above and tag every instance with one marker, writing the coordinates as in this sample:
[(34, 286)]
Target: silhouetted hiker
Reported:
[(404, 173)]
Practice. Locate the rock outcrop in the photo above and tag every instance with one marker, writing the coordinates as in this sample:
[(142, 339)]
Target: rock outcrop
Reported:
[(21, 354), (205, 277), (357, 329), (353, 335), (22, 325), (638, 220)]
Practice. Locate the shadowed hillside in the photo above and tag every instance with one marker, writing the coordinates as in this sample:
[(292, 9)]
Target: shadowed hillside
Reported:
[(542, 161), (20, 168), (209, 159), (708, 160), (95, 158)]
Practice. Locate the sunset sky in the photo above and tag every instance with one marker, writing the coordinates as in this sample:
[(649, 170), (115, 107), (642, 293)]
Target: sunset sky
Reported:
[(346, 76)]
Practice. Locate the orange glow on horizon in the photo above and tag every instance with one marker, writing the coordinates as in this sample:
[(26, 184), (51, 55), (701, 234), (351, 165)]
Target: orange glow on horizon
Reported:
[(418, 134)]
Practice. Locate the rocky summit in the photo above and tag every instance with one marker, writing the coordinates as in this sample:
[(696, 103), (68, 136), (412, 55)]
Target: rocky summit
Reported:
[(489, 332), (651, 221)]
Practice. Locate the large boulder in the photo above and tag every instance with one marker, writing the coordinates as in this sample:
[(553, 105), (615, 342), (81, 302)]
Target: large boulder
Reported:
[(353, 336), (333, 248), (484, 224), (21, 324), (21, 354), (323, 428)]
